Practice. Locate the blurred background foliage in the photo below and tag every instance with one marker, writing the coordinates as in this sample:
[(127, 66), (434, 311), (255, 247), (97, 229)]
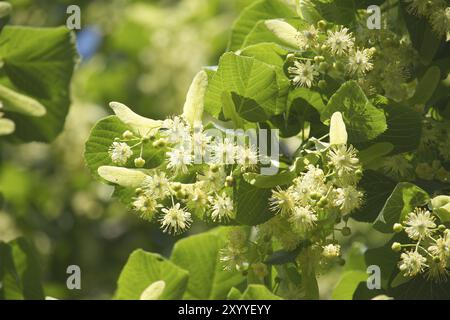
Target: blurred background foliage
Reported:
[(141, 53)]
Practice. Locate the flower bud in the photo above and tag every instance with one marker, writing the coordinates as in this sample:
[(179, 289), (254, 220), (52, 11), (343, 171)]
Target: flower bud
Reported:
[(339, 66), (290, 57), (176, 186), (397, 228), (318, 59), (160, 143), (346, 231), (315, 196), (139, 162), (322, 25), (181, 194), (229, 181), (322, 84), (127, 134), (322, 202), (324, 67), (396, 247)]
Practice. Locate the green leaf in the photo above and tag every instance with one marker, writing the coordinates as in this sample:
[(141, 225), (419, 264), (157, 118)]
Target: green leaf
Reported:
[(405, 197), (308, 96), (371, 156), (420, 288), (254, 81), (248, 108), (341, 12), (6, 127), (200, 256), (363, 120), (234, 294), (426, 86), (386, 259), (258, 292), (20, 272), (252, 204), (39, 63), (259, 10), (404, 128), (347, 284), (229, 110), (269, 53), (303, 105), (377, 189), (308, 12), (430, 45), (144, 268), (102, 136)]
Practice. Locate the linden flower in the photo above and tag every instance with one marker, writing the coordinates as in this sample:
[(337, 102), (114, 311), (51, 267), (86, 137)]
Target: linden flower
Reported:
[(224, 152), (441, 248), (247, 157), (331, 251), (343, 159), (303, 73), (312, 181), (420, 224), (157, 185), (440, 21), (303, 218), (282, 201), (233, 258), (437, 271), (175, 219), (340, 41), (176, 130), (120, 152), (359, 62), (412, 263), (179, 158), (308, 38), (348, 199), (222, 207), (198, 199), (237, 237), (397, 166), (212, 179), (145, 206)]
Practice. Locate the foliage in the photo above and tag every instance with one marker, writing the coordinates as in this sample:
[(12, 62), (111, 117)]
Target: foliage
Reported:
[(363, 129)]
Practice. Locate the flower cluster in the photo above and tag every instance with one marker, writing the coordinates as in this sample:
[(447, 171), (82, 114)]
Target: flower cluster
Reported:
[(437, 12), (189, 150), (429, 248), (321, 195), (321, 52), (426, 163)]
